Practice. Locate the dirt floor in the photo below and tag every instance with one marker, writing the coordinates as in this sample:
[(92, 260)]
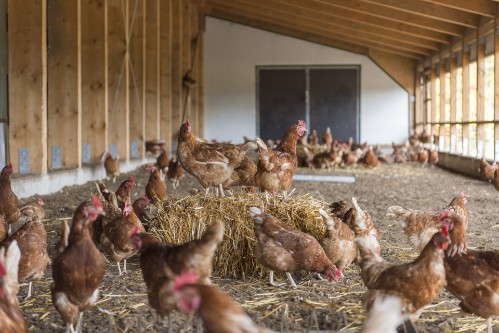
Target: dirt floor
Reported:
[(123, 304)]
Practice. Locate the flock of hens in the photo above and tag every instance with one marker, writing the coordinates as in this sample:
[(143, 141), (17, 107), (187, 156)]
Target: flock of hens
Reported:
[(178, 276)]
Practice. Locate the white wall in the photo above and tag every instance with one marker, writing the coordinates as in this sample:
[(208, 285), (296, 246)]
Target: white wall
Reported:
[(232, 52)]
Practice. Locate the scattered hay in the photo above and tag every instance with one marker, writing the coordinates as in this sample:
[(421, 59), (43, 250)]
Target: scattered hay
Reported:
[(182, 219)]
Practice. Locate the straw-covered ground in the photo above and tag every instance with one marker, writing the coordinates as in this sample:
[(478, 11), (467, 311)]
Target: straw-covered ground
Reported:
[(123, 303)]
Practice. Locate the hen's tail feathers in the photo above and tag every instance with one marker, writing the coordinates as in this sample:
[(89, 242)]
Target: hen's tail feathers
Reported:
[(250, 145), (399, 213), (385, 316), (63, 241), (261, 145), (367, 253), (356, 205), (360, 217), (10, 260), (327, 219), (256, 214)]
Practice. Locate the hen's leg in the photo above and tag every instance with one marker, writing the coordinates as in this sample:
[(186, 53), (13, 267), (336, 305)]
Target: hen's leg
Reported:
[(70, 328), (489, 325), (221, 190), (29, 290), (267, 196), (206, 191), (114, 179), (124, 266), (290, 278), (271, 279), (79, 322), (10, 229), (119, 268), (170, 328)]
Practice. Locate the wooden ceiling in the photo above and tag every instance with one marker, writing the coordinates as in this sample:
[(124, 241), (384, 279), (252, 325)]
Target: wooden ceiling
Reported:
[(412, 29)]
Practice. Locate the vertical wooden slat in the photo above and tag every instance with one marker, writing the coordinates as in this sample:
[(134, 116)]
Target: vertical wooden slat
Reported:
[(158, 69), (176, 70), (151, 70), (418, 112), (106, 75), (165, 69), (466, 99), (194, 15), (127, 79), (27, 82), (496, 86), (63, 113), (434, 97), (116, 46), (186, 58), (136, 24), (200, 52), (441, 128), (93, 77)]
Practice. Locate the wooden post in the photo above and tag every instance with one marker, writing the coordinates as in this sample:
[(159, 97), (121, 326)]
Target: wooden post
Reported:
[(418, 110), (117, 88), (186, 59), (151, 71), (63, 112), (136, 88), (496, 87), (433, 118), (194, 29), (200, 70), (127, 80), (27, 26), (453, 78), (166, 70), (466, 99), (480, 97), (176, 70), (93, 80), (441, 127)]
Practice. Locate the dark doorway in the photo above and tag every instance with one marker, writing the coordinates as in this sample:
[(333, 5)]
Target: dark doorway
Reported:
[(323, 96)]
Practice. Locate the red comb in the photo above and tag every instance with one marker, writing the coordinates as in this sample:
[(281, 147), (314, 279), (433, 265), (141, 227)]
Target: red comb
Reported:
[(2, 269), (130, 179), (445, 230), (185, 279), (96, 202), (146, 199), (302, 123), (462, 194), (135, 231)]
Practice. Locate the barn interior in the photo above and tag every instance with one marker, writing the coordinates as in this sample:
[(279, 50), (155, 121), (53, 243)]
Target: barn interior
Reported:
[(82, 78)]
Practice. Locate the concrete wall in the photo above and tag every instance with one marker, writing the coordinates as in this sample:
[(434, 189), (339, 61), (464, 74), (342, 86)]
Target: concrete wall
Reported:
[(232, 53)]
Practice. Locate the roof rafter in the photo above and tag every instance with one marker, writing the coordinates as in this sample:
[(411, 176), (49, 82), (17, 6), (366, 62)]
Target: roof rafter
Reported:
[(262, 21), (431, 10), (485, 8)]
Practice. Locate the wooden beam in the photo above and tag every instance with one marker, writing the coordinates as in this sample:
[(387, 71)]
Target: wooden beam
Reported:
[(117, 91), (63, 112), (166, 70), (315, 18), (93, 78), (398, 16), (402, 70), (496, 88), (453, 103), (194, 30), (27, 27), (466, 98), (176, 70), (480, 97), (186, 59), (200, 69), (137, 21), (430, 10), (360, 40), (151, 84), (485, 8)]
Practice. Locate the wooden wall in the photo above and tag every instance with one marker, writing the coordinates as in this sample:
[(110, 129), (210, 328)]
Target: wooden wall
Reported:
[(86, 76)]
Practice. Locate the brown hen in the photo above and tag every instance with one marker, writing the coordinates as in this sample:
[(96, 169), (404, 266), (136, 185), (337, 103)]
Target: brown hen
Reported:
[(8, 200), (175, 172), (155, 187), (281, 248), (112, 166)]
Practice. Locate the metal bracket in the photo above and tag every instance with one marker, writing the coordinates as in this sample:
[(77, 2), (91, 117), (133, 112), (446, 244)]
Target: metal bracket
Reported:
[(134, 147), (23, 160), (113, 150), (86, 154), (56, 157)]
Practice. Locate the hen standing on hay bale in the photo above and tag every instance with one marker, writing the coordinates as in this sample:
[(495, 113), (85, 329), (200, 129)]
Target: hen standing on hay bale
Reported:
[(161, 263), (210, 163), (155, 187), (279, 247), (277, 166), (218, 310), (243, 175)]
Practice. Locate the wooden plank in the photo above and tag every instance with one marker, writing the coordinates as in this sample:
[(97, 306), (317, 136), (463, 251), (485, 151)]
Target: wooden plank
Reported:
[(117, 91), (165, 70), (136, 23), (453, 102), (93, 77), (365, 18), (265, 22), (418, 102), (194, 28), (176, 70), (200, 52), (480, 97), (481, 7), (496, 89), (248, 9), (466, 98), (152, 121), (432, 11), (27, 82), (63, 113)]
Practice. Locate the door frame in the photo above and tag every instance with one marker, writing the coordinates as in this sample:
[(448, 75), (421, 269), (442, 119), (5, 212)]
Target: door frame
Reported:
[(307, 69)]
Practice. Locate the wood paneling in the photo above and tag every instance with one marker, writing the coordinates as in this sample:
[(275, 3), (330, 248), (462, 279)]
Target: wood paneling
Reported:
[(63, 112), (27, 82), (152, 70), (166, 71), (176, 70), (93, 77)]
